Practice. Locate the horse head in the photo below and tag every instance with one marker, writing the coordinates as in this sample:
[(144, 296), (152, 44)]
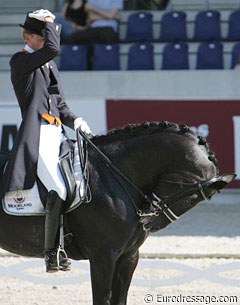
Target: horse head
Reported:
[(177, 197)]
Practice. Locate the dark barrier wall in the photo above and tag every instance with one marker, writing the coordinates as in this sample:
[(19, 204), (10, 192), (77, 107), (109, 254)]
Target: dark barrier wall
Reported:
[(217, 121)]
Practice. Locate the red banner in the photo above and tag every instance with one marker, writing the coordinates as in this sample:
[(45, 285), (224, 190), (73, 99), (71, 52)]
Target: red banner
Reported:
[(217, 121)]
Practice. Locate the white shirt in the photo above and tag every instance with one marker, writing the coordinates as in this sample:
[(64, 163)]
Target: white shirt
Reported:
[(28, 49)]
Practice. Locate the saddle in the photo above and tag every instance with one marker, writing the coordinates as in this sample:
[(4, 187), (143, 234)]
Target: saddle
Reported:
[(66, 165)]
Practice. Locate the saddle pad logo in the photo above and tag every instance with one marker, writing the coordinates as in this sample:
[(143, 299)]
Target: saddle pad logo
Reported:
[(23, 202), (19, 198)]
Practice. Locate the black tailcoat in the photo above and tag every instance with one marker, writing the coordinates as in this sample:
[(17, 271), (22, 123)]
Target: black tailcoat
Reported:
[(37, 88)]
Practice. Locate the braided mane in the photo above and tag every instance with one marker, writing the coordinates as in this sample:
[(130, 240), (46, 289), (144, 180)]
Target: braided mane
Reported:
[(146, 128)]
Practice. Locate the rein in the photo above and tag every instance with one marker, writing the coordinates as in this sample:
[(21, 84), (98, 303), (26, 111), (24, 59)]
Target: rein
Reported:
[(109, 164), (157, 205), (83, 158)]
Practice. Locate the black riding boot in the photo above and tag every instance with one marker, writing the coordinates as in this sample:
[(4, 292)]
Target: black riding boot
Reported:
[(54, 261)]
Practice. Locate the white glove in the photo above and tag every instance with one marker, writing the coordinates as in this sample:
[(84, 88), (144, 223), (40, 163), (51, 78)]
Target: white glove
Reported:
[(80, 123), (41, 14)]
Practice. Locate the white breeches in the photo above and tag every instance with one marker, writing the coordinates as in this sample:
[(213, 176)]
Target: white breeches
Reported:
[(48, 169)]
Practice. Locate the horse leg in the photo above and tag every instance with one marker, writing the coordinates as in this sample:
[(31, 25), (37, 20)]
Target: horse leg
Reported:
[(102, 270), (124, 270)]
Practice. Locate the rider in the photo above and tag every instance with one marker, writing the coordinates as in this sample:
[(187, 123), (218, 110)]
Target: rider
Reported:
[(35, 79)]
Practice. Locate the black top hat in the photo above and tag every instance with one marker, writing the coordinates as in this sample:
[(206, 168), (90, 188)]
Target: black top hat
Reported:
[(34, 25)]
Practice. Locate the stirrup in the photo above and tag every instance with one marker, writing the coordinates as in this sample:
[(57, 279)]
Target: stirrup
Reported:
[(56, 259), (63, 261), (62, 258)]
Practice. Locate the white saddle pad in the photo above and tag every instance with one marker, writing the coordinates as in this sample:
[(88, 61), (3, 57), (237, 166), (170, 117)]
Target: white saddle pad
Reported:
[(28, 202)]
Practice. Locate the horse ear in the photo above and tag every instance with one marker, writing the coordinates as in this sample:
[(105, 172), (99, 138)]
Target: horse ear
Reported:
[(222, 181)]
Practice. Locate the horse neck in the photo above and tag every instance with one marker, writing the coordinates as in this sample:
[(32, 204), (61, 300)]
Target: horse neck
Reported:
[(138, 160), (145, 158)]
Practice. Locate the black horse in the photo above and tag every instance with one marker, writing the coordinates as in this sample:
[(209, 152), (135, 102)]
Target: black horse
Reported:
[(169, 170)]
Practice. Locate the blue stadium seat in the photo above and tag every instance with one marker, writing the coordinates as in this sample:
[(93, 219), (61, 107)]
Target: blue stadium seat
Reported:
[(234, 26), (235, 55), (173, 26), (106, 57), (175, 56), (210, 56), (139, 27), (73, 58), (140, 57), (207, 26)]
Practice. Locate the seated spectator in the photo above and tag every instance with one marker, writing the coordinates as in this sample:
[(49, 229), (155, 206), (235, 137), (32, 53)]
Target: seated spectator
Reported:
[(102, 19), (72, 18)]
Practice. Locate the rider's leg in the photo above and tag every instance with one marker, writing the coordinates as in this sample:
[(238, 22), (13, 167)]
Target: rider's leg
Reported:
[(48, 169), (52, 221), (48, 172)]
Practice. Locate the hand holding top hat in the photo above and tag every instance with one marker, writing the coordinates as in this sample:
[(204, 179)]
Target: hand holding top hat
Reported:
[(41, 15), (35, 21)]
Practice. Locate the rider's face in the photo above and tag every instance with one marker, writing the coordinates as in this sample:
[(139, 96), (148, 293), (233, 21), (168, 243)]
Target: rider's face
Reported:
[(34, 41)]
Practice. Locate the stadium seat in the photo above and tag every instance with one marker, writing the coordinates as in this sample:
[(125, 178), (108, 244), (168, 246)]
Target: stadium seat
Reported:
[(140, 57), (173, 26), (234, 26), (207, 26), (210, 56), (73, 58), (139, 27), (106, 57), (175, 56), (235, 55)]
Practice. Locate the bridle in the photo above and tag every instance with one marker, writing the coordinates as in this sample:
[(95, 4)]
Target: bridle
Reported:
[(155, 205), (193, 184), (165, 206)]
